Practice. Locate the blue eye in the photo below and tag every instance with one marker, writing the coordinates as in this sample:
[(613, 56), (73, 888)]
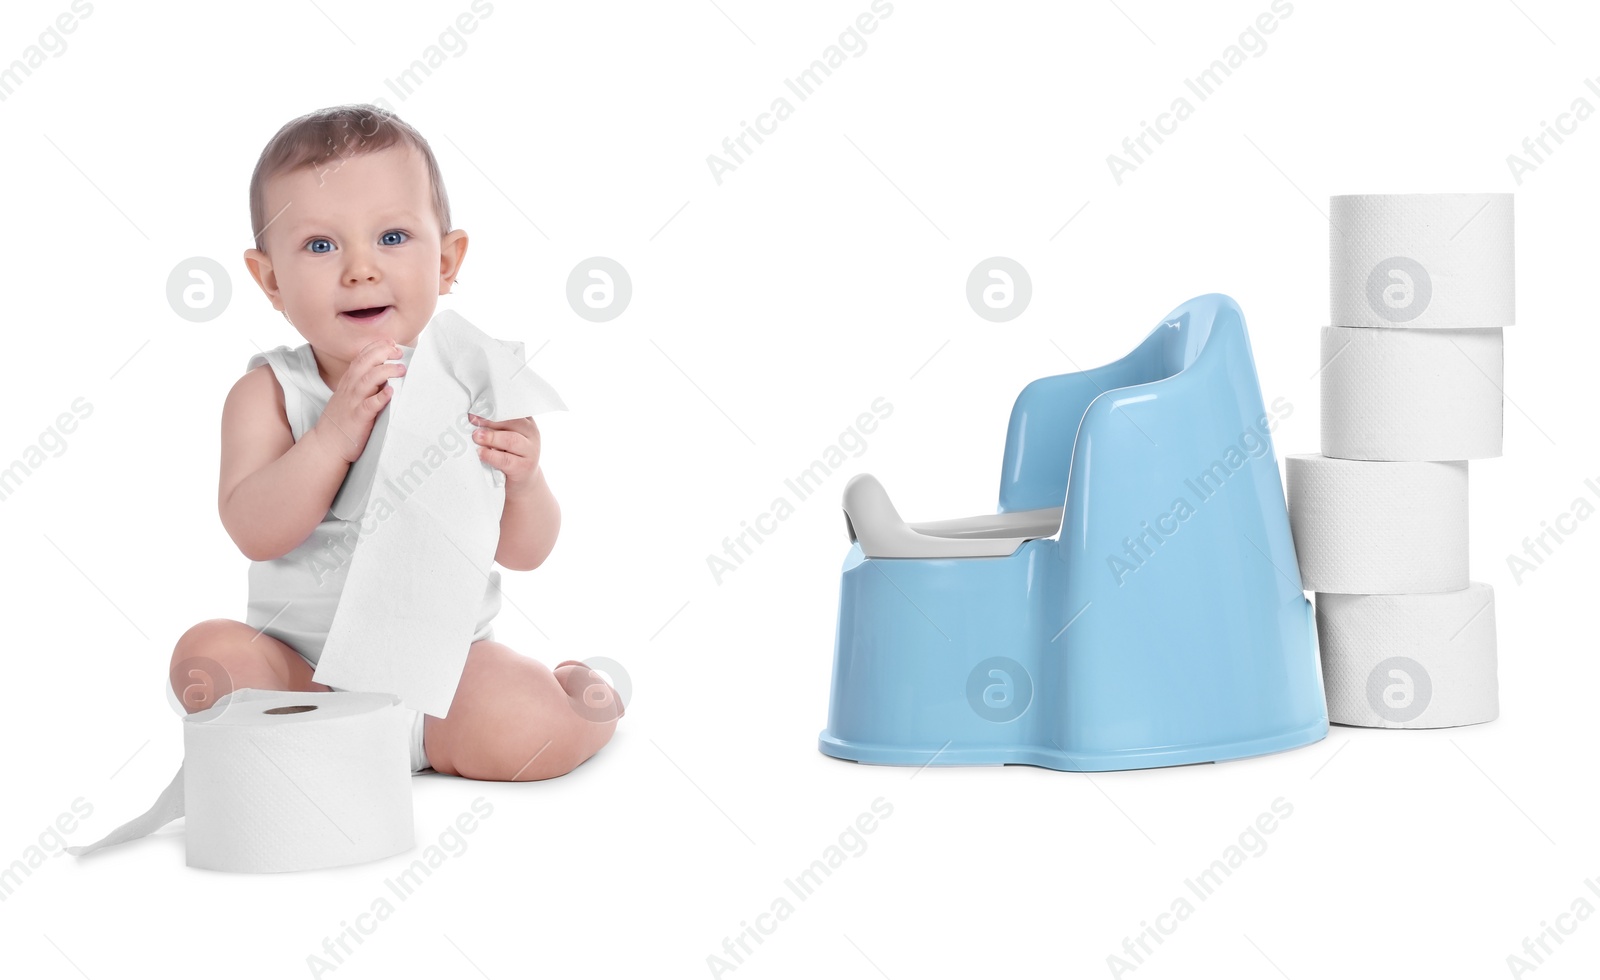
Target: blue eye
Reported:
[(385, 237), (311, 245)]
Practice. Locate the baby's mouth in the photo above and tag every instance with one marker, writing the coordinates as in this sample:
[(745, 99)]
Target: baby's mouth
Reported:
[(367, 315)]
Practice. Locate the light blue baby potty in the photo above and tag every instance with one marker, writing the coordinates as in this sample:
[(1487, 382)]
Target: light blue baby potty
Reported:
[(1134, 603)]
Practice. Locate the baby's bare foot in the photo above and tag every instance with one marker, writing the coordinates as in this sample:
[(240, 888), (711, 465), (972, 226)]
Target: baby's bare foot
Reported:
[(588, 691)]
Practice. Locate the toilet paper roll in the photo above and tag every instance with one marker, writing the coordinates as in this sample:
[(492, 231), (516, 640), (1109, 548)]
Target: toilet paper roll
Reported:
[(1409, 661), (1378, 527), (287, 781), (1407, 394), (1422, 260)]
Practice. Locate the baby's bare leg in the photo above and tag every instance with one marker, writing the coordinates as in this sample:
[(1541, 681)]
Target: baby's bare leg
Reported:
[(222, 655), (513, 719)]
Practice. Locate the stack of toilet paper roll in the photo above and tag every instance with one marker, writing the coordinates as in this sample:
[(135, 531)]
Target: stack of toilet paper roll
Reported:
[(1422, 287)]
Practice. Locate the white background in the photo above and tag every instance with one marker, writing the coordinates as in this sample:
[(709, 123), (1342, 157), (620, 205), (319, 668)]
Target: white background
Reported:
[(768, 312)]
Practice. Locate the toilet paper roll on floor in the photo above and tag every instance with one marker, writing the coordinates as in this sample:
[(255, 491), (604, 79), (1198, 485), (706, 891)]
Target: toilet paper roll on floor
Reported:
[(1422, 260), (1378, 527), (1403, 394), (287, 781), (1410, 661)]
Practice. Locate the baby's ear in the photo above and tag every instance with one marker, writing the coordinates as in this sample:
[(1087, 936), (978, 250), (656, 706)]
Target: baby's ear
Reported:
[(452, 252), (260, 266)]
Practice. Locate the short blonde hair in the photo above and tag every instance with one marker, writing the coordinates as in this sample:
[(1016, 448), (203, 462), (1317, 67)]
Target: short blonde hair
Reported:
[(337, 131)]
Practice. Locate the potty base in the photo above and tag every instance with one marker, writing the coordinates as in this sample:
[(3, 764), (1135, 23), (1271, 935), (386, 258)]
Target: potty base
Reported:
[(896, 755)]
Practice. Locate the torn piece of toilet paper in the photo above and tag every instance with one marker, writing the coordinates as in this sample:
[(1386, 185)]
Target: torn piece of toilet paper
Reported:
[(429, 512)]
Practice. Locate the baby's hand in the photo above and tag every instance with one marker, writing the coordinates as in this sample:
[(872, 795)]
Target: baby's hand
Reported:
[(511, 446), (364, 390)]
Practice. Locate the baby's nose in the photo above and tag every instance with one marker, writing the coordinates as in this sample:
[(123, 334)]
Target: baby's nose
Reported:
[(363, 271), (361, 266)]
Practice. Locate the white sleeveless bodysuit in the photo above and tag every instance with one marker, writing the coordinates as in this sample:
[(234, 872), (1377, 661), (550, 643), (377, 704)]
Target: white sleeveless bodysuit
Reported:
[(292, 598)]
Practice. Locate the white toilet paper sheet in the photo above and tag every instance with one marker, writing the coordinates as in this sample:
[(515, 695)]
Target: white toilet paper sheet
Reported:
[(1422, 260), (1410, 661), (1378, 527), (430, 521), (1403, 394), (267, 785)]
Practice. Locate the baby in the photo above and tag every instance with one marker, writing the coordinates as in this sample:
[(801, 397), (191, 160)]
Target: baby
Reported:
[(354, 246)]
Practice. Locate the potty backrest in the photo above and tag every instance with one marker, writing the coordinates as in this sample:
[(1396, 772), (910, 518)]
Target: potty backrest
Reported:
[(1175, 548), (1045, 417)]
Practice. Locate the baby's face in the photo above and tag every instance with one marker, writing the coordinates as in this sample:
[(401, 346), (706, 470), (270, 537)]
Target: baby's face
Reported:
[(353, 235)]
